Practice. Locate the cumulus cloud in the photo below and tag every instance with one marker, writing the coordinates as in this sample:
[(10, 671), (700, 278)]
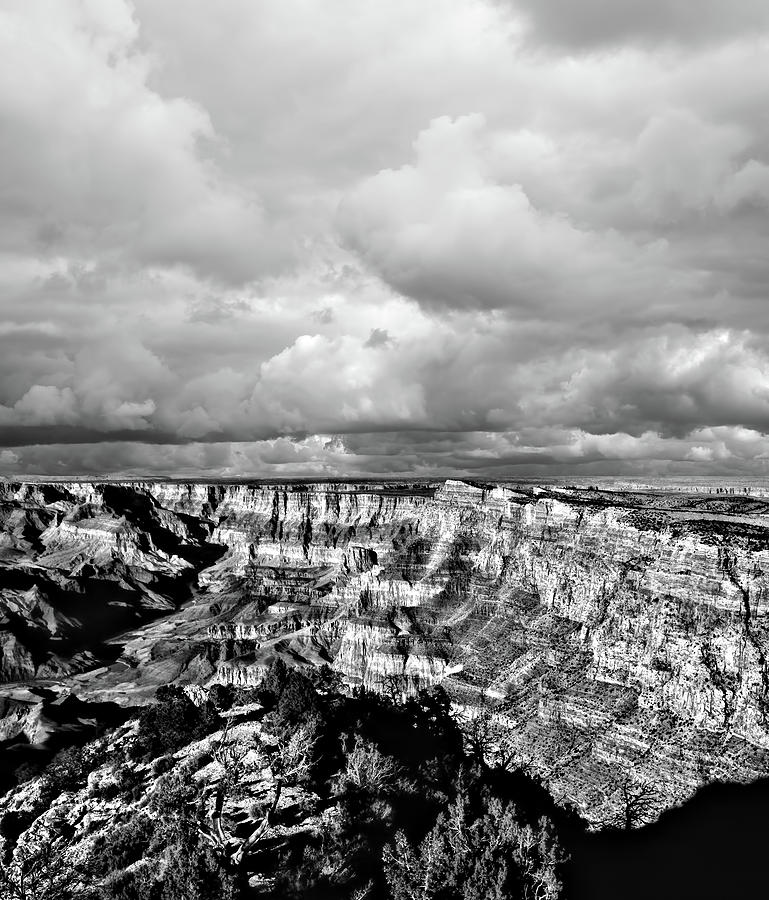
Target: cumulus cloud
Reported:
[(419, 245), (674, 382), (457, 229), (488, 218), (686, 166), (100, 164), (319, 382)]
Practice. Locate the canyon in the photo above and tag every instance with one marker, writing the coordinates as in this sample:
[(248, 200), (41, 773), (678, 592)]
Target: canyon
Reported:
[(612, 642)]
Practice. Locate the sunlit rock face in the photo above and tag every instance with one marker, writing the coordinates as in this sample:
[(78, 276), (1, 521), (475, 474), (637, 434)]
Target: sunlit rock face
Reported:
[(604, 635)]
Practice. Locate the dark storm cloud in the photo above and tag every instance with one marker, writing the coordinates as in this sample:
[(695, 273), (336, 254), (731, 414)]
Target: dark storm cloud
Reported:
[(589, 24), (20, 435)]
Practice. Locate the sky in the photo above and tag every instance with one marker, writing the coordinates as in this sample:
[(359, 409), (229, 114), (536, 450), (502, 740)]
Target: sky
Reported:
[(361, 238)]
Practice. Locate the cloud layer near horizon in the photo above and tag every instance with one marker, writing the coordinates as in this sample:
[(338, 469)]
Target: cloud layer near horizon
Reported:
[(298, 238)]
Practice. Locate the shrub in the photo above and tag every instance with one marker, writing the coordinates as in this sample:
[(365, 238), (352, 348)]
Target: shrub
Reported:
[(366, 769), (173, 801), (243, 696), (121, 847), (477, 850), (186, 869), (107, 790), (298, 701), (138, 883), (27, 771), (290, 695), (40, 868), (162, 765), (325, 680), (12, 825), (275, 679), (172, 722), (67, 771), (222, 696), (194, 872)]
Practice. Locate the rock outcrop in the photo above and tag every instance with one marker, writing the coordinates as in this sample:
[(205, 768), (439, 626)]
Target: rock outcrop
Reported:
[(79, 563)]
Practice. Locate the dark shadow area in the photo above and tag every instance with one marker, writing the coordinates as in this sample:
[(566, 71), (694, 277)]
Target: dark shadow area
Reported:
[(711, 848), (75, 722), (140, 509), (96, 611)]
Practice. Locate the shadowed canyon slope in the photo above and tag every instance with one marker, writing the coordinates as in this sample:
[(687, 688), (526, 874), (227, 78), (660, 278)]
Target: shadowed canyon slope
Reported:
[(609, 641)]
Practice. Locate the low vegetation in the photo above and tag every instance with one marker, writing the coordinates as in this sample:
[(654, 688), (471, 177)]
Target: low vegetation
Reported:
[(294, 790)]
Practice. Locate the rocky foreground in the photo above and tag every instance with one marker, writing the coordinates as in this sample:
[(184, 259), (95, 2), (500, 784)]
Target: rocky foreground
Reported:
[(613, 643)]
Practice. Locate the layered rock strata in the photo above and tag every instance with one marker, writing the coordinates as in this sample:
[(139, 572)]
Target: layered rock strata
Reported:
[(601, 636)]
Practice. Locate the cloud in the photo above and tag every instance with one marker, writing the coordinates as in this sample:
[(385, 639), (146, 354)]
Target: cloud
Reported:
[(590, 24), (47, 405), (379, 337), (393, 238), (495, 219), (686, 166), (673, 383), (486, 455), (319, 383), (100, 164), (457, 229)]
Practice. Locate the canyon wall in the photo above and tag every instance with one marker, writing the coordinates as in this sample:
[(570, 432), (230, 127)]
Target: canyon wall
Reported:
[(600, 638)]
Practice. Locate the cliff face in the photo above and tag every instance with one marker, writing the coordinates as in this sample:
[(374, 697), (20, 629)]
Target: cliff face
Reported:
[(79, 563), (599, 637)]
